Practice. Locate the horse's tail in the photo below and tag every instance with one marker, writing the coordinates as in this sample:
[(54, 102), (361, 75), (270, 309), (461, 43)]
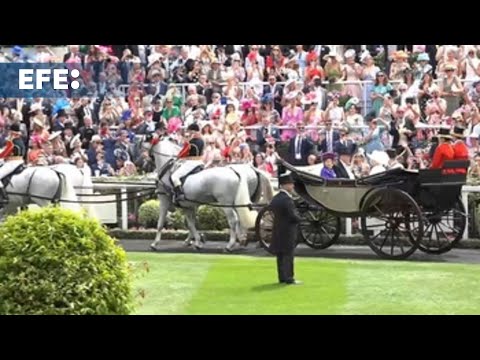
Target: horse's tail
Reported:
[(87, 188), (246, 216), (265, 186), (68, 197)]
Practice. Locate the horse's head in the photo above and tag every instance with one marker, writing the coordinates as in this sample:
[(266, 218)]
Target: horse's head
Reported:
[(162, 148)]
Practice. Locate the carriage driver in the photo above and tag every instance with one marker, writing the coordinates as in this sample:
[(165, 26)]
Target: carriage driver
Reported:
[(11, 156), (191, 154)]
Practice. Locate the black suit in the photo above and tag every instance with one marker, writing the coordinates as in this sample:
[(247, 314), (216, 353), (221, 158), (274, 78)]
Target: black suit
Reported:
[(323, 144), (306, 148), (284, 235), (340, 171)]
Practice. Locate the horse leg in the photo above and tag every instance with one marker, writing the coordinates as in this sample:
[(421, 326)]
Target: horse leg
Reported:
[(164, 205), (233, 222), (190, 216), (241, 234)]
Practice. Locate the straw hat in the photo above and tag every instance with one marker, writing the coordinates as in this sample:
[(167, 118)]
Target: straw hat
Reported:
[(400, 55), (54, 135)]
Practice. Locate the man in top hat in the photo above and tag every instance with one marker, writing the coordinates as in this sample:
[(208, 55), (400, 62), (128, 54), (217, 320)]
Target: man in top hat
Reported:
[(343, 168), (460, 149), (191, 153), (285, 230), (15, 147), (444, 150), (12, 154)]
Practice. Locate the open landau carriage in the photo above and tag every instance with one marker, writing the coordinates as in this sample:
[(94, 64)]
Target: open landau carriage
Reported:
[(400, 211)]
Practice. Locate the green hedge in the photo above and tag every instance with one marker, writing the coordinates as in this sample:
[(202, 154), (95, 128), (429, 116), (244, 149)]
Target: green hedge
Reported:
[(208, 218), (54, 261)]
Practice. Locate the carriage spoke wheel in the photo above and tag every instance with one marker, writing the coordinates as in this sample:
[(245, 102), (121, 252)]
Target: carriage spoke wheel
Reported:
[(392, 224), (318, 228), (264, 227), (443, 229)]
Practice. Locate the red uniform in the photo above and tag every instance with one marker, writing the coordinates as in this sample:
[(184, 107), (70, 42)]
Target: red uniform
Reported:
[(8, 150), (185, 151), (444, 152), (460, 153)]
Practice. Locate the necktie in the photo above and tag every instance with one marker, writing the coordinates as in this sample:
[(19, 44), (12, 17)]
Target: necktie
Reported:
[(298, 147)]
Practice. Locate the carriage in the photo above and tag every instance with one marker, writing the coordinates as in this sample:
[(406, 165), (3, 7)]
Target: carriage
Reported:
[(400, 211)]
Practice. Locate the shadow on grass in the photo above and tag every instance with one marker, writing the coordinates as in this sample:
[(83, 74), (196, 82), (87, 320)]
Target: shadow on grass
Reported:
[(268, 287)]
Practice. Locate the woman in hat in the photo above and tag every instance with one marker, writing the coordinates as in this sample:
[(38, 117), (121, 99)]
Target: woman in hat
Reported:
[(444, 150), (422, 66), (35, 150), (379, 161), (449, 60), (327, 171), (360, 167), (424, 92), (451, 88), (59, 148), (291, 115), (470, 66), (268, 110), (314, 69), (369, 73), (333, 72), (380, 89), (352, 72), (399, 65), (353, 118), (313, 116), (232, 120)]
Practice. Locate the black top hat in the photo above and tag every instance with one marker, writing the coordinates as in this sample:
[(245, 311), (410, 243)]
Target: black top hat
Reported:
[(458, 132), (346, 150), (285, 178), (444, 133)]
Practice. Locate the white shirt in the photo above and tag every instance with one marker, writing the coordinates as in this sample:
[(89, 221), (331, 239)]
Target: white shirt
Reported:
[(349, 170)]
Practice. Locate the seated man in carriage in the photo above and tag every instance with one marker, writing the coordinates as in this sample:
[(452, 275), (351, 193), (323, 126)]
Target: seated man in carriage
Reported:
[(343, 168), (444, 151), (191, 154), (460, 149)]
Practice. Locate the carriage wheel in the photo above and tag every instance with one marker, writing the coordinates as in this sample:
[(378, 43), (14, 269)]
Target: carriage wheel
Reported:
[(318, 228), (392, 224), (443, 229), (264, 227)]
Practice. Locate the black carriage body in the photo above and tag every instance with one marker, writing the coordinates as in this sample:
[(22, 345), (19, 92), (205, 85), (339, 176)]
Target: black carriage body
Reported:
[(400, 210)]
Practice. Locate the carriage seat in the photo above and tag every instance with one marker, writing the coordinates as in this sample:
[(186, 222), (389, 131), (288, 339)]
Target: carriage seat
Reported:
[(448, 175)]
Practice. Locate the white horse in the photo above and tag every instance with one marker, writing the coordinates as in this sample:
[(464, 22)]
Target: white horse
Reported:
[(41, 186), (232, 187), (82, 183)]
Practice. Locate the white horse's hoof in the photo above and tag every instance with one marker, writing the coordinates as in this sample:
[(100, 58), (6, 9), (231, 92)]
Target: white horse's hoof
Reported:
[(153, 247), (198, 247), (187, 243), (227, 250)]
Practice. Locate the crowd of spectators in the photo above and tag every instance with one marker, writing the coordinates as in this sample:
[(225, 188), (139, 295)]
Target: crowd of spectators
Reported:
[(250, 102)]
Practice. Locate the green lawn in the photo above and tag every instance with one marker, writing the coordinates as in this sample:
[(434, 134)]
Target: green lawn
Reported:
[(203, 284)]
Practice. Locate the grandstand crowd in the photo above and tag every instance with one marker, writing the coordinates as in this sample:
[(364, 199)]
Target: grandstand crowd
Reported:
[(309, 103)]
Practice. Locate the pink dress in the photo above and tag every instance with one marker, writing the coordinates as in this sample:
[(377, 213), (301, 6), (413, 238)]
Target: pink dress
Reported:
[(290, 117), (314, 121)]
